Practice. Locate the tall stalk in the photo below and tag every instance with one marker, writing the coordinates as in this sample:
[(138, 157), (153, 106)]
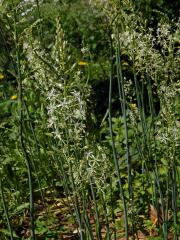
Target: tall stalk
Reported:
[(122, 98), (147, 148), (113, 142), (158, 189), (21, 138)]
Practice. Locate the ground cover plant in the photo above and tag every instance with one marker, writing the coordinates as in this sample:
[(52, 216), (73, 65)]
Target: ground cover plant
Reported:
[(90, 120)]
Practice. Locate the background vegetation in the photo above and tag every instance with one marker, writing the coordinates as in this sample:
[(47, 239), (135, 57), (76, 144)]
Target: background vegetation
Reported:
[(89, 120)]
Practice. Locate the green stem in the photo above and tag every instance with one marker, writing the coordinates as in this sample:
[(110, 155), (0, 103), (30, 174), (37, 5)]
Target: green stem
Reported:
[(98, 224), (21, 139), (113, 144), (122, 96), (6, 210)]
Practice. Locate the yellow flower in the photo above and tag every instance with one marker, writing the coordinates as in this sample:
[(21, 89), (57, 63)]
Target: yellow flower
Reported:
[(1, 76), (125, 64), (82, 63), (14, 97), (133, 106)]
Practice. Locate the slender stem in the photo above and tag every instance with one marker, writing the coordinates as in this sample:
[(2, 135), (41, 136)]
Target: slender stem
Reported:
[(21, 138), (6, 210), (86, 218), (174, 199), (98, 224), (123, 108), (113, 144)]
